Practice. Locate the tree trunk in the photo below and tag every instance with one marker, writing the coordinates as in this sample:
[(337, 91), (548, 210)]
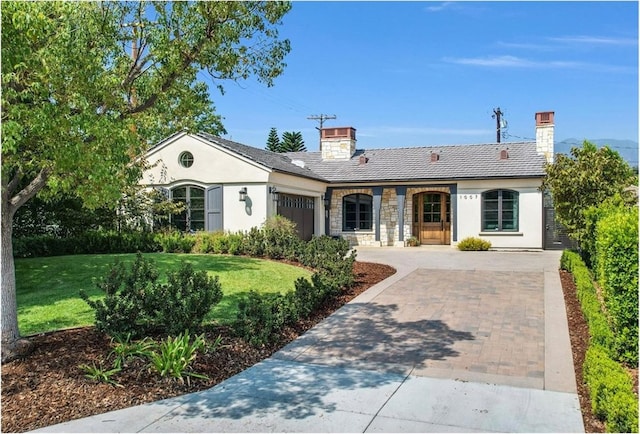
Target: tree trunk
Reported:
[(12, 345)]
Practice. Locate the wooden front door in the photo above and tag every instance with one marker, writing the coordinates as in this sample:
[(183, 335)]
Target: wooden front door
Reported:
[(432, 217)]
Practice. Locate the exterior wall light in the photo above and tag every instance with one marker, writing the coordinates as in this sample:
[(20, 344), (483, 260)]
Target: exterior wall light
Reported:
[(274, 193), (327, 202), (243, 194)]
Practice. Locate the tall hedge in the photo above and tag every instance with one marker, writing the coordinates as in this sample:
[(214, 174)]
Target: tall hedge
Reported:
[(610, 386), (617, 271)]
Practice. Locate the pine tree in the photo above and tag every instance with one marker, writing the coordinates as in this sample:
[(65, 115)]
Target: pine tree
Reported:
[(273, 142), (292, 142)]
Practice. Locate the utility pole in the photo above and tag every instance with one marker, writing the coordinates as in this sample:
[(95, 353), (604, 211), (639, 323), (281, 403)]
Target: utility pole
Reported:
[(321, 118), (496, 115)]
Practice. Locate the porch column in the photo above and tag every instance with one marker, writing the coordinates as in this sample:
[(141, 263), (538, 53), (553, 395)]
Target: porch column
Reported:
[(377, 202), (453, 191), (401, 193), (327, 211)]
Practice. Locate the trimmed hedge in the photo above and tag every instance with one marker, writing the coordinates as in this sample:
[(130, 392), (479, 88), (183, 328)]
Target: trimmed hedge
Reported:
[(611, 388), (596, 320), (89, 242), (617, 271)]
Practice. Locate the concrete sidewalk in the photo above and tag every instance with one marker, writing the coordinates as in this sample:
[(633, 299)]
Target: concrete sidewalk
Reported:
[(453, 342)]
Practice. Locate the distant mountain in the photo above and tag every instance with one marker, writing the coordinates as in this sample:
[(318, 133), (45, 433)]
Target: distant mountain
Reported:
[(628, 149)]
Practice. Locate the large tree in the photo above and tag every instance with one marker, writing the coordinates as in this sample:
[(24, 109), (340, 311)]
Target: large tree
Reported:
[(292, 141), (87, 86), (585, 178), (273, 141)]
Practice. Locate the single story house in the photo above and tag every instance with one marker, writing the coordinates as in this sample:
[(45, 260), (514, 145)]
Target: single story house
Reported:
[(373, 197)]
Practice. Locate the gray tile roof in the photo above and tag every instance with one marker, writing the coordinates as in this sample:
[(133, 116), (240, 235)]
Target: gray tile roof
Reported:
[(480, 161), (272, 160), (414, 164)]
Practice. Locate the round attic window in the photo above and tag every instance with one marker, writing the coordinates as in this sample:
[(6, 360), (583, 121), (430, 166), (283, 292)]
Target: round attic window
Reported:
[(186, 159)]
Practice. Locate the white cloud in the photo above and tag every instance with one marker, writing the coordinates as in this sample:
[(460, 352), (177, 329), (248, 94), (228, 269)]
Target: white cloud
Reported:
[(520, 62), (439, 7), (594, 40)]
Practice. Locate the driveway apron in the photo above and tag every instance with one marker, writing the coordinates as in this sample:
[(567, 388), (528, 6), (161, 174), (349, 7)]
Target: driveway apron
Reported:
[(453, 342)]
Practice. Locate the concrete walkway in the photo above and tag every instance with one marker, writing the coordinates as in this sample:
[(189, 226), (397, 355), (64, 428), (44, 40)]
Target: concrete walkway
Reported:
[(453, 342)]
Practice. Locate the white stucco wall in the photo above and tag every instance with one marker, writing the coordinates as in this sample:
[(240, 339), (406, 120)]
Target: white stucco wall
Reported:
[(211, 165), (242, 216), (529, 234)]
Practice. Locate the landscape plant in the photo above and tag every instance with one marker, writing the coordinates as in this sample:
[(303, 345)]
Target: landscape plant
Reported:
[(136, 304), (101, 374), (124, 349), (474, 244), (261, 317), (587, 177), (172, 357)]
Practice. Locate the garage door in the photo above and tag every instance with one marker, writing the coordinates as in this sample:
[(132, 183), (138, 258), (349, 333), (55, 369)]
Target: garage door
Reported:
[(300, 210)]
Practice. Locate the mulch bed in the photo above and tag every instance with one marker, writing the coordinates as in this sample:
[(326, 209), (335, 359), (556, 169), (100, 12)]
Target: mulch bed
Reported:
[(47, 387)]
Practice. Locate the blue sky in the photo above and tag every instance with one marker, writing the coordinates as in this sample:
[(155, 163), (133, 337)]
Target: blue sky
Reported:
[(431, 73)]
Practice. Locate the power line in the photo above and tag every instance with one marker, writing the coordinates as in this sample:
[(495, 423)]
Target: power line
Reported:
[(321, 118)]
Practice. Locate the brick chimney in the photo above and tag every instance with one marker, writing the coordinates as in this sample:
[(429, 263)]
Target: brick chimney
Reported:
[(544, 134), (337, 143)]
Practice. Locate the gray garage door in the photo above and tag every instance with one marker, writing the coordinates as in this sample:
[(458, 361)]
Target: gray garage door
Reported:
[(300, 210)]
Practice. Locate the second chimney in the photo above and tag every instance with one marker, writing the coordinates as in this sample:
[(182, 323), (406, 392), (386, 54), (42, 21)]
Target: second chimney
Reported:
[(544, 134), (337, 143)]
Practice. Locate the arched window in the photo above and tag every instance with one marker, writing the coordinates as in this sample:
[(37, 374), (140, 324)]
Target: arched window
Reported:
[(357, 212), (500, 210), (192, 218)]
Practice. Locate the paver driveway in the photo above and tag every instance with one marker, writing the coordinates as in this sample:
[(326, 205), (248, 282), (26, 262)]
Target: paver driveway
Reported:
[(477, 316)]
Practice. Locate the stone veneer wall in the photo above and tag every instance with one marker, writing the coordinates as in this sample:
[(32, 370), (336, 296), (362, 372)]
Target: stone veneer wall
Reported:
[(355, 238), (338, 149), (389, 234)]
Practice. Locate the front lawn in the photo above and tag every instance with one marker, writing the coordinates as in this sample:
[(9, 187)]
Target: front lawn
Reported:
[(48, 288)]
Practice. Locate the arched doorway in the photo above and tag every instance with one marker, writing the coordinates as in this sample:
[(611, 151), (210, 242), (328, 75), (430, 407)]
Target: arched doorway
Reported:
[(432, 217)]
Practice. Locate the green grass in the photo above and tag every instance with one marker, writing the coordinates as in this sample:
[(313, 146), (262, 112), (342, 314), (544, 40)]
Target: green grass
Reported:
[(48, 288)]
